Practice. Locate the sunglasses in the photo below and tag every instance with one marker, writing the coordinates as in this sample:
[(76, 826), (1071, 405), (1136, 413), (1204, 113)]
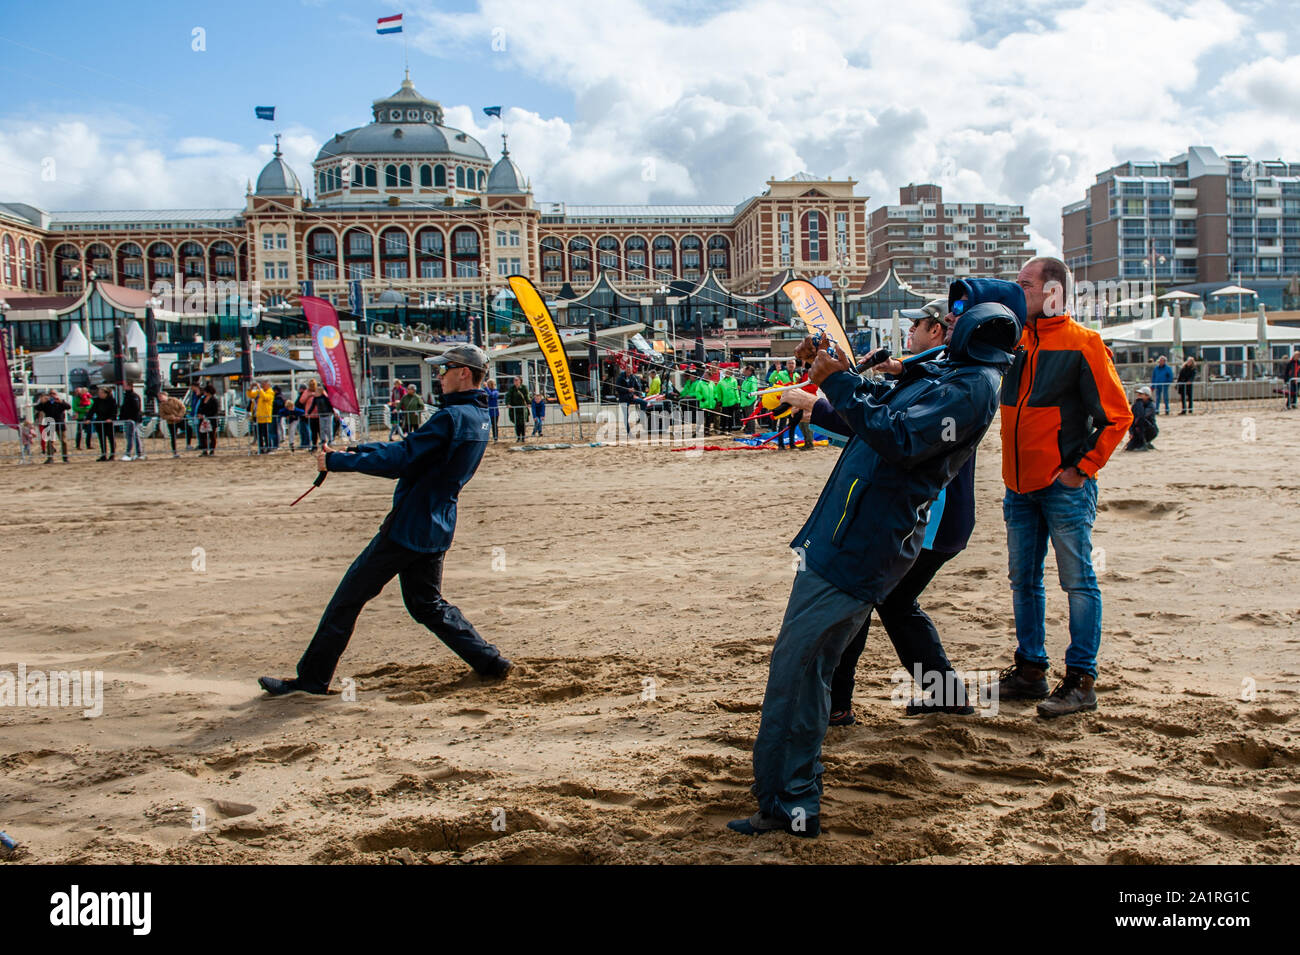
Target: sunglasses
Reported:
[(959, 306)]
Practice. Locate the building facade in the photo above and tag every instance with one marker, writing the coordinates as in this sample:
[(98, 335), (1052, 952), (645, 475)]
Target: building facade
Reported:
[(426, 221), (929, 242), (1197, 218)]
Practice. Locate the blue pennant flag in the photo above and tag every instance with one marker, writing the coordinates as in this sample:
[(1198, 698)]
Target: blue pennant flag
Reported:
[(492, 111), (264, 112)]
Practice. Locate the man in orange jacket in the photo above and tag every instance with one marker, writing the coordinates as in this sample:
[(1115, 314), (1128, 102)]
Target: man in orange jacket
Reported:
[(1064, 411)]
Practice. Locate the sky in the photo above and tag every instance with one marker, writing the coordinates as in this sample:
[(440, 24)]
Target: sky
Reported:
[(150, 104)]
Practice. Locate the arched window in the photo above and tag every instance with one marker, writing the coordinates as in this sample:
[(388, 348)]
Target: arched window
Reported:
[(430, 252), (321, 185), (552, 259), (426, 176), (161, 264), (393, 252), (404, 176), (439, 176), (634, 254), (814, 239), (464, 252), (100, 258), (322, 255), (221, 257), (390, 176), (8, 255), (691, 256), (607, 254), (719, 253), (38, 259), (24, 264), (67, 261), (480, 180), (580, 256), (665, 257), (358, 254), (460, 177), (192, 260), (372, 177)]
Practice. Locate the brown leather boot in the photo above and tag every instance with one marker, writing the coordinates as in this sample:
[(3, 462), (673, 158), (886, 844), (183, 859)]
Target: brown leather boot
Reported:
[(1021, 681), (1074, 694)]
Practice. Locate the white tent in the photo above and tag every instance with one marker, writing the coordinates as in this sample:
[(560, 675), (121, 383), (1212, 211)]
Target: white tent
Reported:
[(72, 353), (1196, 331), (76, 346), (135, 338)]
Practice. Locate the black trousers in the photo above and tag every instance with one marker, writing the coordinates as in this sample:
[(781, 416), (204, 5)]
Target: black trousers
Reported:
[(912, 632), (421, 577), (107, 437)]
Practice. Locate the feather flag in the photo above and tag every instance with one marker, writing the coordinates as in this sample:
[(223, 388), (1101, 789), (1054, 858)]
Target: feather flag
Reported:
[(391, 24), (548, 340), (331, 356)]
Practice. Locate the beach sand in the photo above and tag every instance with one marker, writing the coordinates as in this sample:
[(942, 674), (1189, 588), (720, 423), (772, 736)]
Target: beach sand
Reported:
[(640, 591)]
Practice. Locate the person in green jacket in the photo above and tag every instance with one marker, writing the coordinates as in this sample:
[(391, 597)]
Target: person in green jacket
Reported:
[(411, 405), (517, 406), (748, 390), (728, 393), (706, 394)]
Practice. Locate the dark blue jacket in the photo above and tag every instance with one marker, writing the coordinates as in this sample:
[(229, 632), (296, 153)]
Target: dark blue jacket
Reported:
[(431, 465), (910, 438)]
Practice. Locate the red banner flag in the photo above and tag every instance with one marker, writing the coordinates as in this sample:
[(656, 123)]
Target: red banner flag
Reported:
[(8, 406), (331, 356)]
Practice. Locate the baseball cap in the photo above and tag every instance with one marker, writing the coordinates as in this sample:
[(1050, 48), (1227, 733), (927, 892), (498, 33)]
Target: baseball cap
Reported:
[(1144, 390), (468, 356), (936, 309)]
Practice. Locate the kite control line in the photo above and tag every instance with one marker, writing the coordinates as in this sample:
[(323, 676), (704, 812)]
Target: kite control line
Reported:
[(320, 479)]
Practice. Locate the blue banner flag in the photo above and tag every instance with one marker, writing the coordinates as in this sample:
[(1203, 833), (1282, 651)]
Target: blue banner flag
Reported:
[(492, 111), (264, 112)]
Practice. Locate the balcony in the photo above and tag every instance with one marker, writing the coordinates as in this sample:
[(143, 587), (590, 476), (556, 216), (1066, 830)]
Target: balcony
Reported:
[(1184, 192), (1268, 192), (1186, 252), (1263, 210), (1273, 249), (1184, 212)]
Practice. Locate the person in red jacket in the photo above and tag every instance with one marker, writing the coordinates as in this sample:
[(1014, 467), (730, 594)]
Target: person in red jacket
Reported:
[(1064, 411)]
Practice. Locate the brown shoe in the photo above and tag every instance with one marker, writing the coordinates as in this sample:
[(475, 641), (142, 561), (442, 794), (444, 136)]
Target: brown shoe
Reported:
[(1074, 694), (1021, 681)]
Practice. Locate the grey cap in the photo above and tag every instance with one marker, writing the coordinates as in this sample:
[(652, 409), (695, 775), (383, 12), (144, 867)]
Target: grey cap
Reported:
[(470, 356), (1144, 390), (935, 309)]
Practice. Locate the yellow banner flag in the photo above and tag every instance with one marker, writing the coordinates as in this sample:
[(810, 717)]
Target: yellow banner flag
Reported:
[(548, 340), (817, 314)]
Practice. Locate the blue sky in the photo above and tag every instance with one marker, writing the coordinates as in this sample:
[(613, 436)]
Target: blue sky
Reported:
[(1019, 101)]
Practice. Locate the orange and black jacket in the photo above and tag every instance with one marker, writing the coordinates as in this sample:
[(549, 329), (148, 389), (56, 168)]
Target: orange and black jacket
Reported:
[(1062, 405)]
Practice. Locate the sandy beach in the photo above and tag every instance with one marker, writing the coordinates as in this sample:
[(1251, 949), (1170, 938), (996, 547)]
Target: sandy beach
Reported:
[(640, 591)]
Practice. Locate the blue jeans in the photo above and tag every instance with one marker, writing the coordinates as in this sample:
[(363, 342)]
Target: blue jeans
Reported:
[(820, 620), (1065, 515), (1160, 393)]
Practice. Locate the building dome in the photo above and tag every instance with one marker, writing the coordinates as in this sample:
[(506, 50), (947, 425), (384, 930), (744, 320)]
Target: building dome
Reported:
[(276, 178), (390, 296), (404, 123), (505, 176)]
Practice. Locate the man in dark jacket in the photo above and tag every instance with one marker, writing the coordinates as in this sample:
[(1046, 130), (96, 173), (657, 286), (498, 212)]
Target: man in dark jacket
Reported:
[(431, 466), (910, 437), (1144, 429), (952, 519)]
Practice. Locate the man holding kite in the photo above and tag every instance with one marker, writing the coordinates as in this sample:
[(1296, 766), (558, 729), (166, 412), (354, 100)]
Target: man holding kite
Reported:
[(431, 465), (909, 438)]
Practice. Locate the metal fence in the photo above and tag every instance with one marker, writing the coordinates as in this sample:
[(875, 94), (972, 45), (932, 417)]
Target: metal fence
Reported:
[(1213, 394)]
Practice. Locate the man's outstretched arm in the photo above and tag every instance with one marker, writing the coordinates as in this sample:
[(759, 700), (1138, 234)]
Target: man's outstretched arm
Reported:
[(395, 459)]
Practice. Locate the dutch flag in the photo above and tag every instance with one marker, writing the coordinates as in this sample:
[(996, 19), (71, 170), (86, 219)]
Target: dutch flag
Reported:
[(391, 24)]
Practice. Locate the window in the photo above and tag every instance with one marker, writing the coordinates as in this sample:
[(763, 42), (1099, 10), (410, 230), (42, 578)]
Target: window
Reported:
[(431, 269), (395, 270), (282, 240), (814, 237), (282, 270), (268, 271), (466, 270), (460, 177), (404, 176), (323, 271), (268, 241), (360, 270), (390, 176), (439, 176), (426, 176), (508, 267), (466, 242)]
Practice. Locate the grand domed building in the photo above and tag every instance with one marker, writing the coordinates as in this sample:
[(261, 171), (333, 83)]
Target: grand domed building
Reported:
[(430, 225)]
